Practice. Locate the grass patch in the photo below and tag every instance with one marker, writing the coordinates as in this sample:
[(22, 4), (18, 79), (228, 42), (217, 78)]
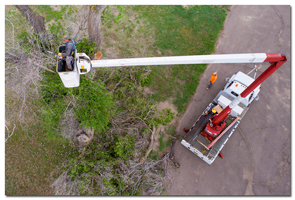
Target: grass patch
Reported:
[(125, 34), (179, 31), (163, 144), (154, 155), (30, 158)]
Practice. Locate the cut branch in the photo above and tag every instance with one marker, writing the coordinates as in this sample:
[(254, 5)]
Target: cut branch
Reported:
[(150, 146)]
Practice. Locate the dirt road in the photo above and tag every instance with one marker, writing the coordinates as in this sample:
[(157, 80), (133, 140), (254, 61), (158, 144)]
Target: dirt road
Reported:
[(257, 157)]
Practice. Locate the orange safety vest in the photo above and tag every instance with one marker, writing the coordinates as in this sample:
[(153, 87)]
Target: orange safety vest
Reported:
[(213, 78)]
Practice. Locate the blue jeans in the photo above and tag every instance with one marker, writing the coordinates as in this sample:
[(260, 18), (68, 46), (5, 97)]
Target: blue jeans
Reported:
[(210, 84)]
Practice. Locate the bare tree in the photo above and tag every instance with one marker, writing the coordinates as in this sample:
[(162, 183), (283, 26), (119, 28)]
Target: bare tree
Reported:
[(94, 24), (24, 64)]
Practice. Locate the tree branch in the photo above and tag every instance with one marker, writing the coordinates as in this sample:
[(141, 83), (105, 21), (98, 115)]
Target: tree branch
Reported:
[(9, 135), (150, 146), (37, 65)]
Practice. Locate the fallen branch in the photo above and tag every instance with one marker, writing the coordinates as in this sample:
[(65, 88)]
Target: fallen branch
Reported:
[(118, 84), (67, 108), (9, 135), (150, 146), (44, 68), (171, 154)]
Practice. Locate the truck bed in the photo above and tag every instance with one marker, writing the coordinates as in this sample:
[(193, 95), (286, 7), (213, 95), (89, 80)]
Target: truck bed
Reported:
[(195, 142), (245, 108)]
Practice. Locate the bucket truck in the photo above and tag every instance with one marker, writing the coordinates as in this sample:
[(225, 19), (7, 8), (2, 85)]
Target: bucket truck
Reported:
[(218, 121)]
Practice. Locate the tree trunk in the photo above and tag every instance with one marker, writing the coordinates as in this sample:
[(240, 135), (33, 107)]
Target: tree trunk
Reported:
[(36, 21), (94, 24)]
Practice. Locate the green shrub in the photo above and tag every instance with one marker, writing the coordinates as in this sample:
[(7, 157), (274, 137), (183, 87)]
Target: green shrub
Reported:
[(163, 117), (57, 31), (86, 46), (124, 146), (95, 105)]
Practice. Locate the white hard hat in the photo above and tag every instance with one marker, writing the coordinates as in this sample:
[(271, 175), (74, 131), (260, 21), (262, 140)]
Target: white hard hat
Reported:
[(66, 37), (215, 73)]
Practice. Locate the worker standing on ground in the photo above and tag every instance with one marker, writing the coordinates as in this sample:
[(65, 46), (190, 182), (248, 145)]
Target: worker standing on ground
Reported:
[(212, 80), (70, 51)]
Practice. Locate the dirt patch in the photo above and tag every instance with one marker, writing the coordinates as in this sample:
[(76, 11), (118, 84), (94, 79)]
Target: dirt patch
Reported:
[(56, 7), (168, 105), (187, 6), (147, 90), (161, 128)]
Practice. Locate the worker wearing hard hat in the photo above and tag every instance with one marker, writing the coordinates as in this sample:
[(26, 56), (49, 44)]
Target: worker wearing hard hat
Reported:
[(212, 80), (70, 51)]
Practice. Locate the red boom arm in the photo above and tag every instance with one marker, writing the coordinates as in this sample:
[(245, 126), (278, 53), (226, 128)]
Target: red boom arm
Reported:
[(276, 60)]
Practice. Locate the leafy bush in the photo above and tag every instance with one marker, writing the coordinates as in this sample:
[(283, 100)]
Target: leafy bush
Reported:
[(86, 46), (57, 31), (95, 105), (162, 117), (123, 146)]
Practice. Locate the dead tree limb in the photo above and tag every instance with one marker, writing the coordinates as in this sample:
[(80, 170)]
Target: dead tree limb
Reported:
[(150, 146), (37, 65), (9, 135)]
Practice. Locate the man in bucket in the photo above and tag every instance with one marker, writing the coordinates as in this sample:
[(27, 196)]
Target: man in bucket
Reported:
[(70, 51)]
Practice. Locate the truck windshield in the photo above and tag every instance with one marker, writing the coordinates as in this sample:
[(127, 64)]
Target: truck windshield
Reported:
[(251, 96), (234, 93), (230, 84)]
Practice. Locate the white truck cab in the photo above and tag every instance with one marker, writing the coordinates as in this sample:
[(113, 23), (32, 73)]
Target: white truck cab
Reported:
[(237, 84)]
